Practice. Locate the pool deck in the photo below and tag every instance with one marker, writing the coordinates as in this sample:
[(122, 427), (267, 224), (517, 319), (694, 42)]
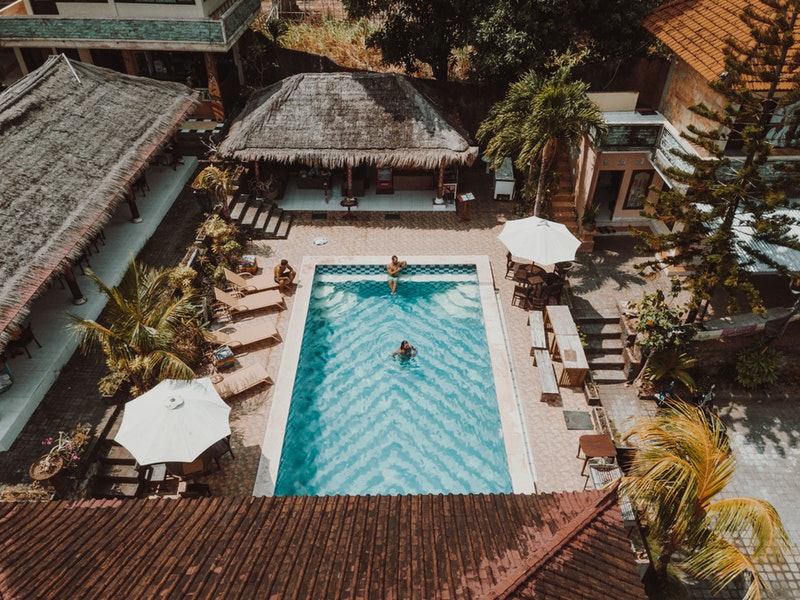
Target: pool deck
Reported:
[(520, 463)]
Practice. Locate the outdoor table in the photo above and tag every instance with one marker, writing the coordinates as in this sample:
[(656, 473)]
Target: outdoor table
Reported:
[(558, 319), (595, 446), (576, 367), (349, 203)]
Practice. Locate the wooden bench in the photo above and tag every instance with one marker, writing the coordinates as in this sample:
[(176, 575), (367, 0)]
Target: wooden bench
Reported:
[(547, 375), (538, 333)]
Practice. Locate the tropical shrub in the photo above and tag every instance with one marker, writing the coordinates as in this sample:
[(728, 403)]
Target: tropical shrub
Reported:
[(660, 324), (226, 244), (758, 366), (670, 364)]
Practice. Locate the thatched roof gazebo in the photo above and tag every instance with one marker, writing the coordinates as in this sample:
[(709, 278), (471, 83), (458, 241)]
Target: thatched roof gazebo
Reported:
[(336, 120), (72, 139)]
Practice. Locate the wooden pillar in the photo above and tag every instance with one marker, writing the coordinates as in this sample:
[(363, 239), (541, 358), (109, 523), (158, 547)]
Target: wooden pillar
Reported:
[(213, 87), (77, 295), (256, 170), (131, 68), (85, 55), (135, 217), (349, 181), (440, 185)]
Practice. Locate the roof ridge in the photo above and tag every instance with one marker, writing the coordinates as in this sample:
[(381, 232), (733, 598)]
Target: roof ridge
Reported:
[(516, 577)]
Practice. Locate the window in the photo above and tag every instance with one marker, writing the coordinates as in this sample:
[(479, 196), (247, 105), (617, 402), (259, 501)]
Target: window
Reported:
[(637, 192)]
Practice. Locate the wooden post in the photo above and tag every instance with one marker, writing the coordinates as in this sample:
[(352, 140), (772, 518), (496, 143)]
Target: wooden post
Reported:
[(135, 216), (77, 295), (440, 185), (131, 68), (256, 170), (349, 181)]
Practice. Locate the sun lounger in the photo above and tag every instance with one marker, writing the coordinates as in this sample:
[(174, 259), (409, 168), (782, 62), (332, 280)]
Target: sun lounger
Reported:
[(242, 334), (268, 299), (247, 283), (241, 380)]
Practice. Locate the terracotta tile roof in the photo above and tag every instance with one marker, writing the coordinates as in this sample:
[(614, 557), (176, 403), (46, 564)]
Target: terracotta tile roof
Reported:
[(478, 546), (696, 31)]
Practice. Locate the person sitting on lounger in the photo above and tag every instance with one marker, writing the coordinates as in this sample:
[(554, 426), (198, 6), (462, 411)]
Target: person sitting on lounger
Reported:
[(284, 275), (405, 351)]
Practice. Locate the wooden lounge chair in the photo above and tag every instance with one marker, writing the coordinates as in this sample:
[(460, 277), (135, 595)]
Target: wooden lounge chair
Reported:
[(247, 283), (241, 380), (268, 299), (242, 334)]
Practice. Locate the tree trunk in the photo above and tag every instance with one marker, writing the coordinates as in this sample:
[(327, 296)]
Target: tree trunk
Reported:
[(439, 69), (540, 186)]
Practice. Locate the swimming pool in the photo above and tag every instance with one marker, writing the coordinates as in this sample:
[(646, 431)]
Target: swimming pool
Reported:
[(351, 420)]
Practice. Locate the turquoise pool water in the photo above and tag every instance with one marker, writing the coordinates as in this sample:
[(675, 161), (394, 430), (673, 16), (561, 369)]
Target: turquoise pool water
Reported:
[(363, 423)]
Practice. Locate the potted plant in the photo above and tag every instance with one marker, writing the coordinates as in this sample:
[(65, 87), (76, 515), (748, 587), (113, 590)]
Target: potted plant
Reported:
[(589, 218)]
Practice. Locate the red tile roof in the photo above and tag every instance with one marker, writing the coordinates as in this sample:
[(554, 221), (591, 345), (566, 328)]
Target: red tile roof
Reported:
[(566, 545), (696, 31)]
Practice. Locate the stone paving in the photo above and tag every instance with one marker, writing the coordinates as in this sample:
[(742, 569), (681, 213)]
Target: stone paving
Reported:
[(765, 435)]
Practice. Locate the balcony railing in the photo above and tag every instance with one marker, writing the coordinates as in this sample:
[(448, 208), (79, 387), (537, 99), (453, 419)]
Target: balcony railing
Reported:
[(208, 34)]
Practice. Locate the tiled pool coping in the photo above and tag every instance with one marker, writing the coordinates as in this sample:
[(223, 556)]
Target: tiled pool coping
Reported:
[(513, 433)]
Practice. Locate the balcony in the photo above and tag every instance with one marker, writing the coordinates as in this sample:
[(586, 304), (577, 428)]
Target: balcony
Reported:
[(216, 34)]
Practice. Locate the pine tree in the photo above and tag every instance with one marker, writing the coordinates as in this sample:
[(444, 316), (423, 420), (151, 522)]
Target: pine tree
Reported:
[(728, 202)]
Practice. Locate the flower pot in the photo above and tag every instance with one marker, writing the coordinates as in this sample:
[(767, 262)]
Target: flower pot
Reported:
[(591, 392), (45, 467)]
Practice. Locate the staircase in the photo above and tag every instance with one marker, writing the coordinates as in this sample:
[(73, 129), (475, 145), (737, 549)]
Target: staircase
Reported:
[(117, 474), (562, 204), (604, 346), (262, 218)]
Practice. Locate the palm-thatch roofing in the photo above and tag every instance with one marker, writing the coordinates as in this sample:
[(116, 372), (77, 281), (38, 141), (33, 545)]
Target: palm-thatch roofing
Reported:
[(72, 138), (332, 120)]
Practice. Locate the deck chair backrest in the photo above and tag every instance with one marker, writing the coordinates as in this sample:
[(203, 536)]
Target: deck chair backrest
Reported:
[(225, 297), (235, 278)]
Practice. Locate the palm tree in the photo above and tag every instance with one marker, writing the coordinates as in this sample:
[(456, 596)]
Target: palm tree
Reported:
[(152, 333), (537, 114), (683, 462)]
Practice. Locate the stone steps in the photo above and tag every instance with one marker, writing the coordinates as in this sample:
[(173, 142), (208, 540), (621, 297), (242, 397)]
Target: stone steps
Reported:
[(613, 376), (262, 218)]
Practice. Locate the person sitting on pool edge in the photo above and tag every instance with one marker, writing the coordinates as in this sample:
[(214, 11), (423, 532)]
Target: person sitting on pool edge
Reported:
[(394, 269), (284, 275), (406, 350)]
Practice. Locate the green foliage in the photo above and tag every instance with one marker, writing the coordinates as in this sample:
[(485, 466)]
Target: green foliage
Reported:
[(758, 366), (660, 324), (536, 115), (508, 38), (725, 194), (669, 364), (149, 333), (682, 465), (225, 248), (417, 32)]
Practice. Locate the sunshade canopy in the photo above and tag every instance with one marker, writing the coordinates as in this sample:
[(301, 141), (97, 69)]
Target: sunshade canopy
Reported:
[(331, 120), (539, 240), (72, 137), (174, 422)]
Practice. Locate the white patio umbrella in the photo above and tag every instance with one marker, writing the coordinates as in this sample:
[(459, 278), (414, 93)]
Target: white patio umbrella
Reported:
[(174, 422), (539, 240)]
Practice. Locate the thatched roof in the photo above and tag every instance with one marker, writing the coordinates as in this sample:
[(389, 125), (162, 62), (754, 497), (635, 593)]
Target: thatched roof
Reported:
[(72, 136), (332, 120)]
